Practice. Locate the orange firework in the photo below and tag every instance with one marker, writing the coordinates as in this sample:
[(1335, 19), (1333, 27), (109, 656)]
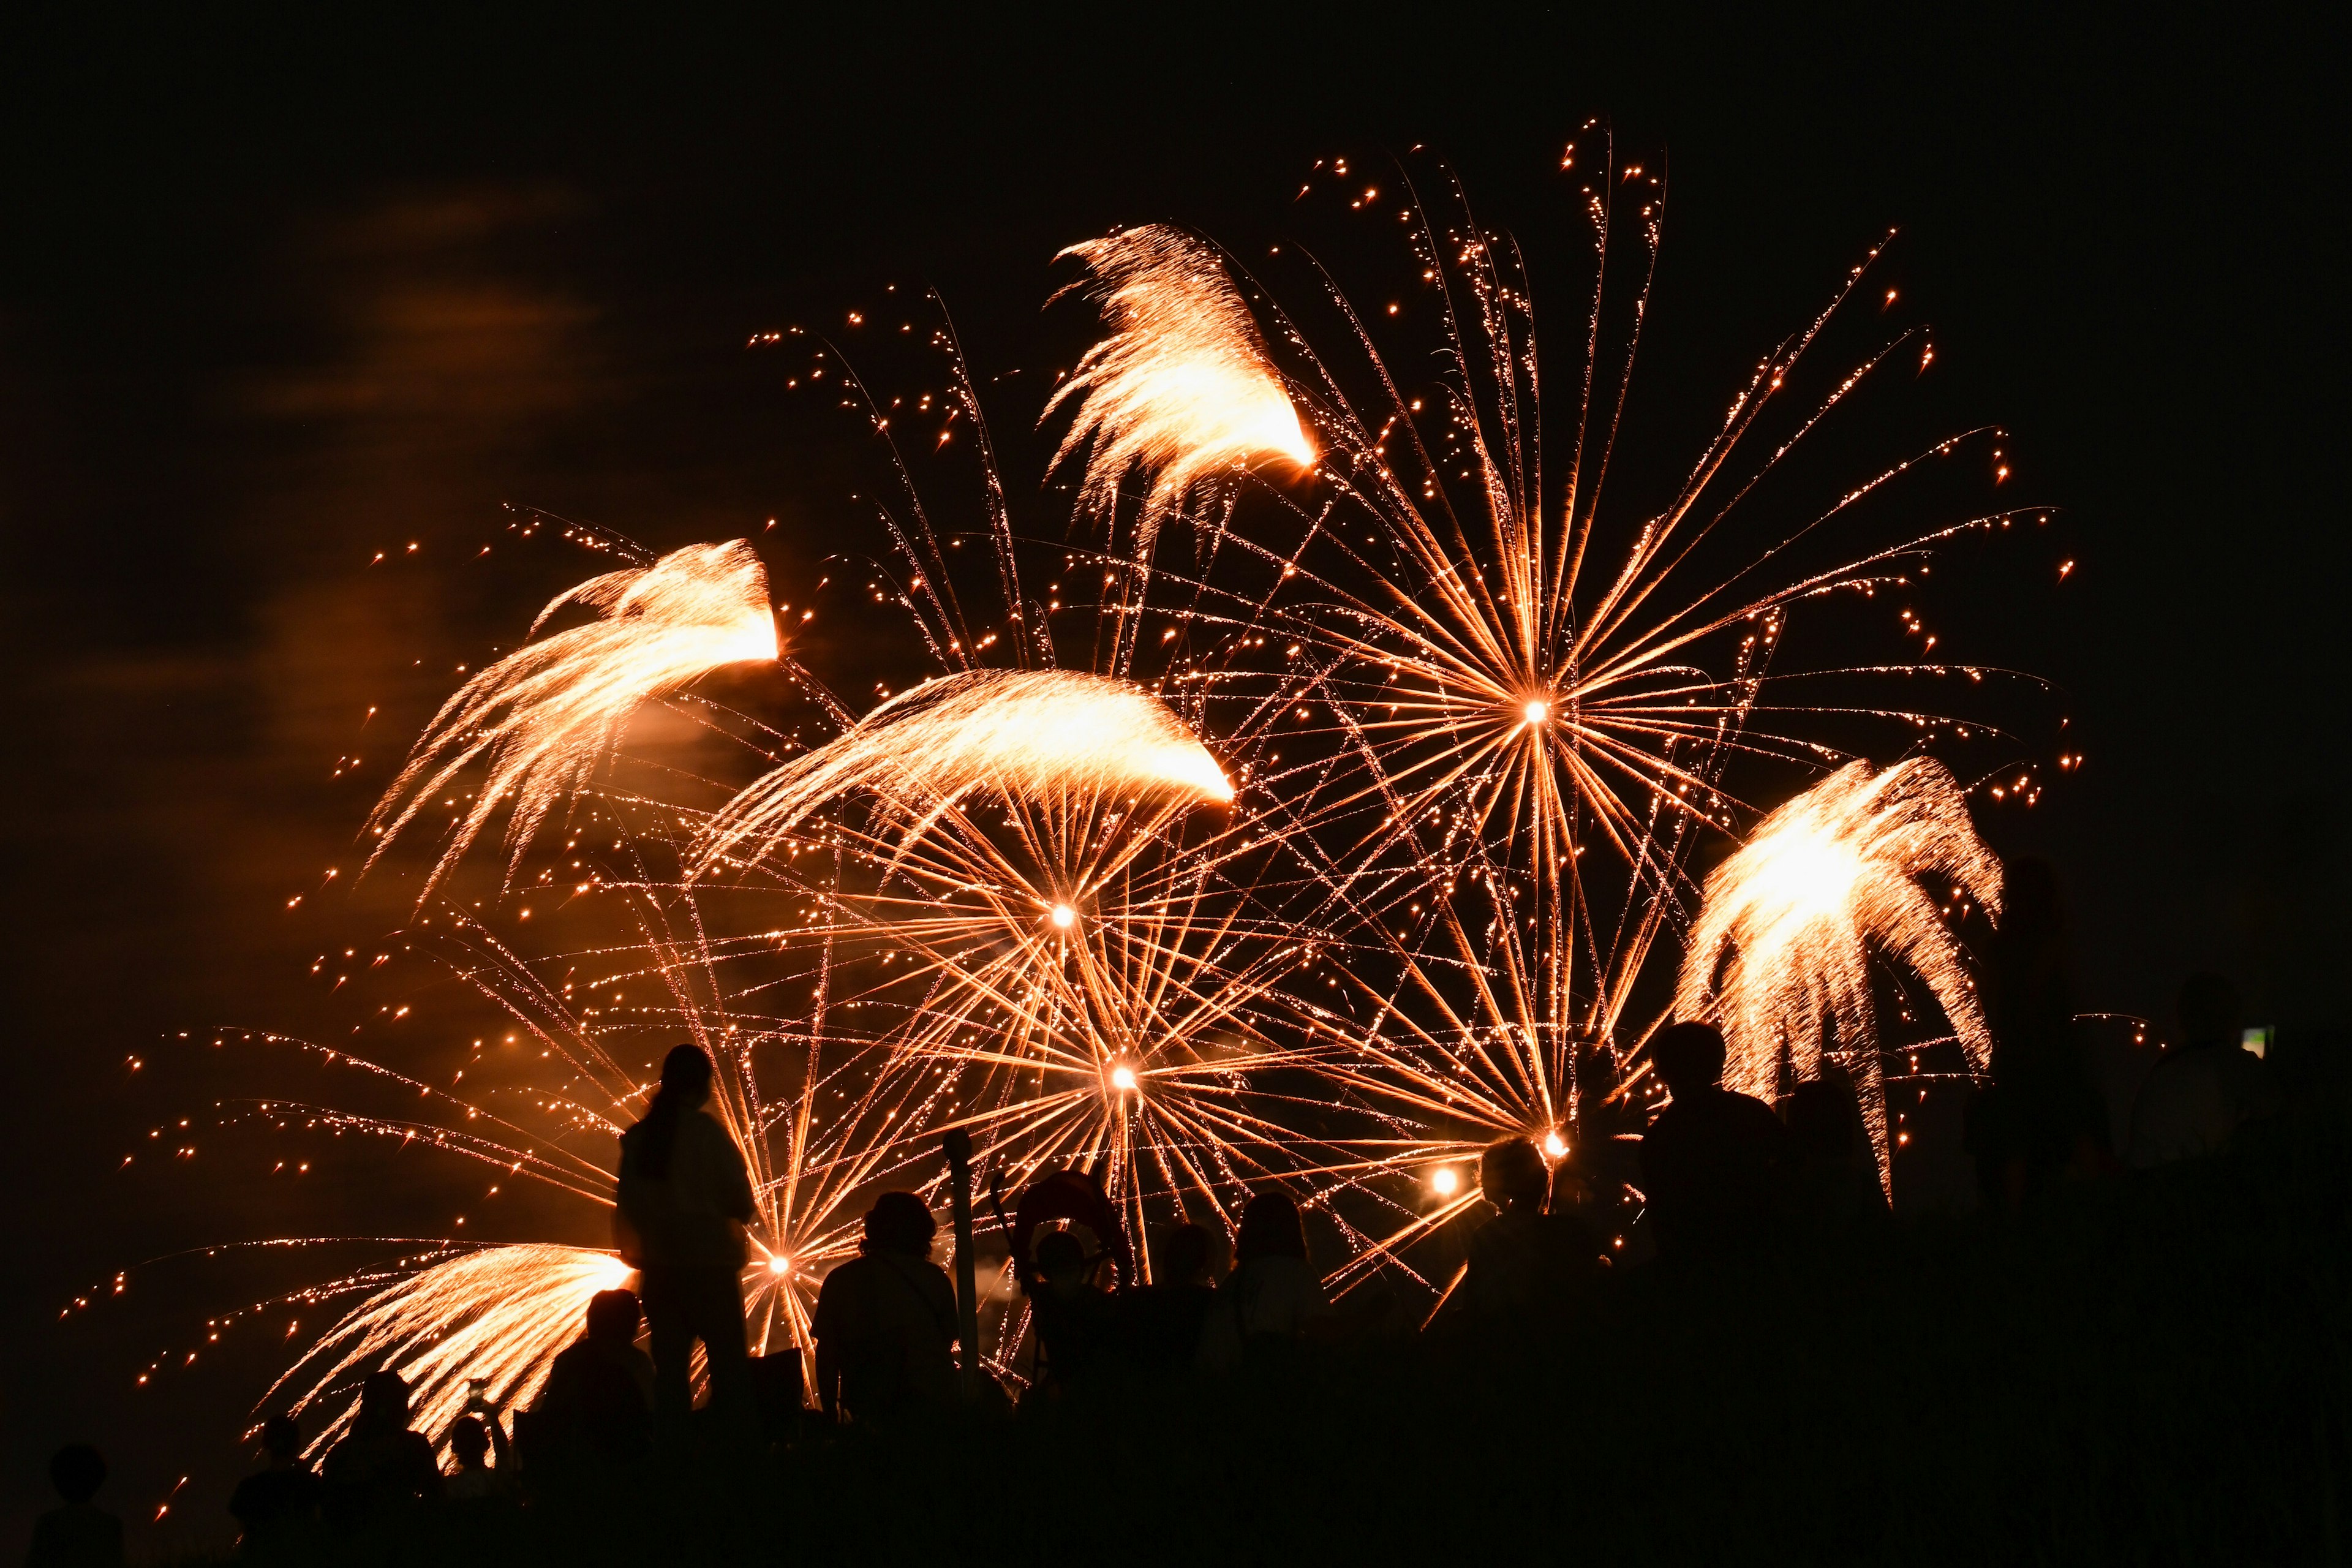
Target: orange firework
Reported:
[(1183, 388), (1362, 842), (1782, 950), (545, 717)]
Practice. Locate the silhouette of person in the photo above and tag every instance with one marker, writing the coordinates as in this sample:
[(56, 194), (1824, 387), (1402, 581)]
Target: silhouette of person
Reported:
[(1273, 1299), (473, 1439), (2043, 1115), (1834, 1177), (885, 1321), (1078, 1325), (2198, 1094), (1524, 1259), (597, 1406), (1163, 1319), (381, 1470), (683, 1201), (78, 1534), (1714, 1161), (276, 1508)]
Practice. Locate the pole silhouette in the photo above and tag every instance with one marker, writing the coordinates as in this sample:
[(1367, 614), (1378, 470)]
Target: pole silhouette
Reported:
[(956, 1145)]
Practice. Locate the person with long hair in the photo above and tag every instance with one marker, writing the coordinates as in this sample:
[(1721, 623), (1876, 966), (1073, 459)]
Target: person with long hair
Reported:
[(1273, 1301), (684, 1199)]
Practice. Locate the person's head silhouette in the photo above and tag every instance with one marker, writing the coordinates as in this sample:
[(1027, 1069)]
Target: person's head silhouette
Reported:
[(614, 1317), (2209, 1011), (469, 1440), (77, 1470), (282, 1438), (1270, 1227), (900, 1223), (1823, 1118), (686, 1076), (1062, 1261), (1688, 1057), (383, 1402), (1180, 1256), (1510, 1173)]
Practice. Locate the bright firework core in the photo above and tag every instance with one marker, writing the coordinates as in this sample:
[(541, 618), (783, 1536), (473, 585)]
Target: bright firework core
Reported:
[(1536, 712), (1554, 1146), (1122, 1077), (1444, 1180), (780, 1264), (1064, 918)]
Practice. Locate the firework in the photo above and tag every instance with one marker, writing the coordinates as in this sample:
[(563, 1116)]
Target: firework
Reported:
[(1510, 676), (499, 1314), (997, 903), (1781, 953), (545, 717), (1183, 387), (1005, 732)]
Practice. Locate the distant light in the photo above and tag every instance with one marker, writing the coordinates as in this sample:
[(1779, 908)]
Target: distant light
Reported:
[(780, 1264), (1536, 712), (1555, 1145), (1444, 1180), (1064, 916), (1122, 1077)]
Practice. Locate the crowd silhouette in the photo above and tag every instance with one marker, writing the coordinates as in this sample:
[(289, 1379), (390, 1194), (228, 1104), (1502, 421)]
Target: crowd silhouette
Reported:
[(1714, 1179)]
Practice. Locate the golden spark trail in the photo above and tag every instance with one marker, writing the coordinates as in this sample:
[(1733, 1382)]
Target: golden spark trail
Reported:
[(1183, 387), (1782, 949), (546, 716), (499, 1314), (1005, 732)]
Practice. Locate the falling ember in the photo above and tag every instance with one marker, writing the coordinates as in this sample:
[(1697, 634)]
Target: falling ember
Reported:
[(1012, 733), (546, 715), (1182, 387), (1784, 940)]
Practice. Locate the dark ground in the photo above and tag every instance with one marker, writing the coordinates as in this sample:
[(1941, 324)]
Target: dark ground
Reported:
[(2152, 1369)]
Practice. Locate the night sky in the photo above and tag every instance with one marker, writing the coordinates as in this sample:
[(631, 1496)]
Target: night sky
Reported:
[(274, 299)]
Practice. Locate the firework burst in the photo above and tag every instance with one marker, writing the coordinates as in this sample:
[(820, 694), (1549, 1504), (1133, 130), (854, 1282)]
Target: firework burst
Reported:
[(1781, 953), (1268, 868), (544, 718), (1183, 387)]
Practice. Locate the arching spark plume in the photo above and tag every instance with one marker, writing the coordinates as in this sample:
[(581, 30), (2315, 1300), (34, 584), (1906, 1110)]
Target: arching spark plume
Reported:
[(547, 715), (1781, 953), (1025, 733), (1183, 387), (500, 1314)]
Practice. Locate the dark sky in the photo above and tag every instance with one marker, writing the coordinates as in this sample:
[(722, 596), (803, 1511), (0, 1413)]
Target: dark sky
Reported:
[(275, 298)]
